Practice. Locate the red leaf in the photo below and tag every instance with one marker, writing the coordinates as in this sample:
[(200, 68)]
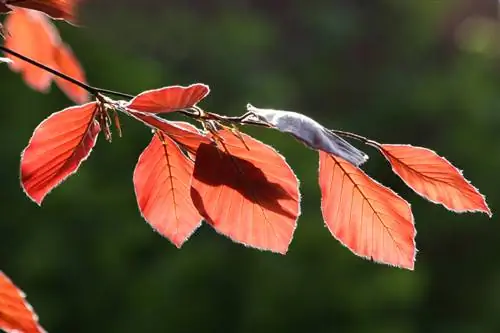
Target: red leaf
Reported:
[(189, 139), (69, 65), (365, 216), (434, 178), (57, 148), (33, 35), (162, 181), (169, 99), (251, 196), (57, 9), (16, 315)]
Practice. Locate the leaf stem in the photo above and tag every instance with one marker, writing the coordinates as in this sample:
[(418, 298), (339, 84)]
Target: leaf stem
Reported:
[(92, 90), (358, 137)]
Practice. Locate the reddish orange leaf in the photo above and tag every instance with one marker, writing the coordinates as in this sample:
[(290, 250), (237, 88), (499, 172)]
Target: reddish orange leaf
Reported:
[(57, 148), (16, 315), (169, 99), (251, 196), (162, 181), (188, 139), (365, 216), (33, 35), (57, 9), (434, 178), (69, 65)]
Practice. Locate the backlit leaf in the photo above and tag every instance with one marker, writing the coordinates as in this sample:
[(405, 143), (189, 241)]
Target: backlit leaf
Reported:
[(16, 315), (365, 216), (189, 139), (162, 182), (251, 196), (57, 9), (434, 178), (68, 64), (31, 34), (169, 99), (309, 132), (57, 148)]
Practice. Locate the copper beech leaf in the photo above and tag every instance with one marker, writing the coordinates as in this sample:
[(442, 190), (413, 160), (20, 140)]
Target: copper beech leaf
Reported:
[(365, 216), (309, 132), (57, 148), (434, 178), (57, 9), (190, 139), (31, 34), (16, 315), (169, 99), (67, 63), (162, 182), (250, 195)]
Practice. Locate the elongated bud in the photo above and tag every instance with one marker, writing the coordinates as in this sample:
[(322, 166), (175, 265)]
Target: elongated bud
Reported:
[(310, 132)]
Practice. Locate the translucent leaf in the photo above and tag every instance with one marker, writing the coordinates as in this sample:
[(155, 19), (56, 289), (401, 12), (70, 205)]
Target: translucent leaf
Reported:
[(434, 178), (251, 196), (162, 180), (169, 99), (190, 139), (31, 34), (57, 9), (365, 216), (310, 132), (57, 148), (16, 315), (68, 64)]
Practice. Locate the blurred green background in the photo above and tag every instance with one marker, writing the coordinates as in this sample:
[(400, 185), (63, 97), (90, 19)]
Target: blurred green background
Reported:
[(398, 71)]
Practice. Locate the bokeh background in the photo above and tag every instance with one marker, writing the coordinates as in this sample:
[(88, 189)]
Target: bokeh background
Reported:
[(398, 71)]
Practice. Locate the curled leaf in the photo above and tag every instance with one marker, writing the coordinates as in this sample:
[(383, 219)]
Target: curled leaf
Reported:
[(189, 139), (434, 178), (16, 315), (169, 99), (57, 148), (162, 180), (250, 195), (310, 132), (365, 216)]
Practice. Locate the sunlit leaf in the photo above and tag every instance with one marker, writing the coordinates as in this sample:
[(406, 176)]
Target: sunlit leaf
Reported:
[(57, 9), (310, 132), (31, 34), (162, 180), (190, 139), (16, 315), (68, 64), (251, 196), (169, 99), (367, 217), (57, 148), (434, 178)]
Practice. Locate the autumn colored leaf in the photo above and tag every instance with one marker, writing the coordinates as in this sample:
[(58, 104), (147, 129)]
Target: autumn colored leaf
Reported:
[(250, 195), (309, 132), (434, 178), (31, 34), (169, 99), (16, 315), (57, 148), (162, 180), (189, 139), (365, 216), (57, 9), (68, 64)]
